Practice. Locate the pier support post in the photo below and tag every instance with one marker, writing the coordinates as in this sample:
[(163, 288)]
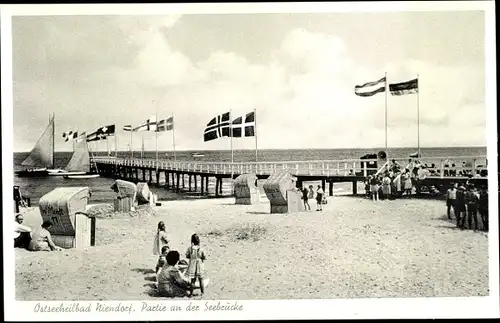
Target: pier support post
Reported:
[(202, 182), (167, 180), (150, 176), (216, 186), (195, 183), (354, 188), (143, 171), (220, 186), (157, 173), (206, 184), (183, 175), (190, 182), (323, 184), (178, 179), (331, 188)]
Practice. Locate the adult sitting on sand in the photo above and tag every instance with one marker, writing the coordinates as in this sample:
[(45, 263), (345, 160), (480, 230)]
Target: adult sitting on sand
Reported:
[(22, 233), (42, 240), (171, 283)]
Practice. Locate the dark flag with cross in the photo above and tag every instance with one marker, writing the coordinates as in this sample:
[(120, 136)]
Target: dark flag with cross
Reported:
[(218, 127)]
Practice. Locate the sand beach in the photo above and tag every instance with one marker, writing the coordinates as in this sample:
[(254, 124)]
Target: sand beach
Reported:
[(355, 248)]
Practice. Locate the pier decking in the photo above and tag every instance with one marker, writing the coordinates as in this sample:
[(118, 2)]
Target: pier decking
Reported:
[(177, 173)]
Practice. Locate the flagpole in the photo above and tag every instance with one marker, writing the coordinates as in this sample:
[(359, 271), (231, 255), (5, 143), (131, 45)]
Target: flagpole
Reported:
[(386, 150), (116, 144), (142, 148), (131, 146), (255, 134), (173, 134), (156, 131), (418, 118), (231, 136)]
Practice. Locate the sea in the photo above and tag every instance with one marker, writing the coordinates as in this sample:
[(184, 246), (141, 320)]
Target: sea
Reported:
[(102, 193)]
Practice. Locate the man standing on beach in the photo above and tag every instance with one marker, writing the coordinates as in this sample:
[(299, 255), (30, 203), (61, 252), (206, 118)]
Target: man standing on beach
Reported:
[(483, 207), (460, 207), (472, 200), (451, 200)]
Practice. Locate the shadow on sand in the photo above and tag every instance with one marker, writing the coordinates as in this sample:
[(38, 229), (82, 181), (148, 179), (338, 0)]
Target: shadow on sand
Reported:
[(144, 271)]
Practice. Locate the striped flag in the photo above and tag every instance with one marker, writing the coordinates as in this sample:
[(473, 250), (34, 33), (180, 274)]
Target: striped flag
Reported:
[(127, 128), (403, 88), (165, 124), (370, 88), (244, 129)]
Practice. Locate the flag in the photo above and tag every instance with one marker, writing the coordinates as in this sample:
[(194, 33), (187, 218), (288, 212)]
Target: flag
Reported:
[(70, 135), (370, 88), (107, 130), (127, 128), (408, 87), (217, 127), (165, 124), (149, 124), (102, 133), (96, 136), (244, 129)]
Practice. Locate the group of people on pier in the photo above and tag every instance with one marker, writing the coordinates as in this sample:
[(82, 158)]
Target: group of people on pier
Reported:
[(394, 181)]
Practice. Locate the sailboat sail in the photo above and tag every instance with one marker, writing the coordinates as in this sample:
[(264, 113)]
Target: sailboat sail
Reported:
[(42, 155), (80, 160)]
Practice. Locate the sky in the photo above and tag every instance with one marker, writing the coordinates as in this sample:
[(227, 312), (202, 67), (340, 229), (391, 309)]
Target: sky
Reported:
[(298, 71)]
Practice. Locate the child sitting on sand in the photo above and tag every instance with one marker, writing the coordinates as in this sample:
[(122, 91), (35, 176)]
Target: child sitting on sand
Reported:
[(195, 268), (162, 260), (171, 282)]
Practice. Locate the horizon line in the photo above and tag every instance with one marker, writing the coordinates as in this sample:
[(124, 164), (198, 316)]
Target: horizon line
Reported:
[(267, 149)]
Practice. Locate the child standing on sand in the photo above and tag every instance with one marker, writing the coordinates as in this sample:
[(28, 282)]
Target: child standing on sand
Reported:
[(160, 239), (195, 268), (162, 260), (319, 198)]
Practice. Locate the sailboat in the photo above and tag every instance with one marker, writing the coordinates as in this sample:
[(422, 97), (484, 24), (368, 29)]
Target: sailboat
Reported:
[(40, 161), (79, 164)]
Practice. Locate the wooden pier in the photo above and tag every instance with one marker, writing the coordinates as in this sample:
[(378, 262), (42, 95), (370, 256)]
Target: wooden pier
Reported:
[(193, 176)]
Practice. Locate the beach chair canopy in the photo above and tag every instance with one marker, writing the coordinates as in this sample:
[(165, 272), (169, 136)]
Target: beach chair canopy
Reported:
[(124, 188), (60, 205), (277, 185)]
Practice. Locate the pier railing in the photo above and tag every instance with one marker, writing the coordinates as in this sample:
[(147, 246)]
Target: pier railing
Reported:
[(437, 166)]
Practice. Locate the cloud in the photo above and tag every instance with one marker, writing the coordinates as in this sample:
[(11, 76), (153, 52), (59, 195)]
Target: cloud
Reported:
[(304, 95)]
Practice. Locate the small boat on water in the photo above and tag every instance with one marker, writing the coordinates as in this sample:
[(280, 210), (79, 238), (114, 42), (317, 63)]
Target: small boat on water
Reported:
[(40, 161), (84, 176), (197, 155), (79, 166)]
